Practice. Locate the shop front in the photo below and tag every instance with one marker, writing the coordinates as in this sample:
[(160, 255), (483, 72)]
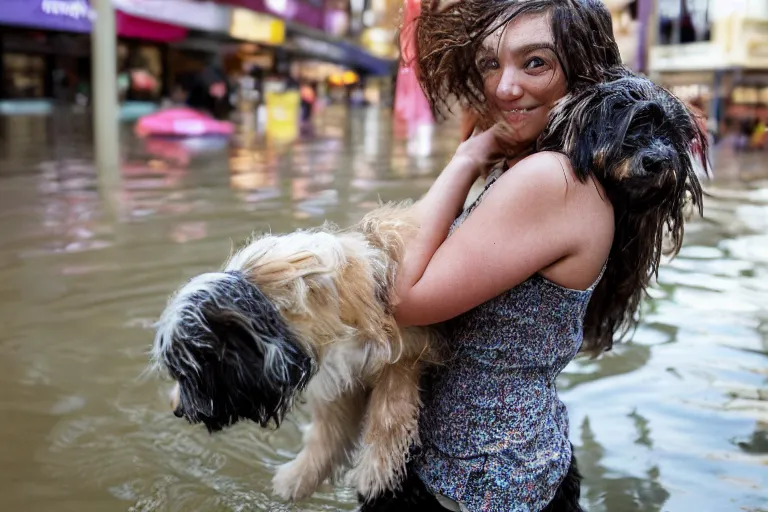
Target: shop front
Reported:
[(175, 41), (748, 101), (143, 56), (731, 98), (44, 49), (724, 73)]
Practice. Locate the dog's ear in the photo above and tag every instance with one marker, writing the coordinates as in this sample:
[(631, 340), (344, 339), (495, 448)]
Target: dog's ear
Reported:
[(236, 377)]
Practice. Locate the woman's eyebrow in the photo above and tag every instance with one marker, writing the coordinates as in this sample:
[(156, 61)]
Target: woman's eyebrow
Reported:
[(523, 49), (527, 48)]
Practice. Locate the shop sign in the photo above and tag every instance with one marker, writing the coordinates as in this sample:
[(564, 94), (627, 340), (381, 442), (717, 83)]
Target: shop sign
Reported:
[(336, 22), (255, 27), (282, 115), (208, 16), (64, 15), (755, 37), (305, 12), (692, 56)]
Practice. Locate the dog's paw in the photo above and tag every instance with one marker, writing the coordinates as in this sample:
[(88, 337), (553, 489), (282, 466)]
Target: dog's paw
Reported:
[(294, 481), (372, 475)]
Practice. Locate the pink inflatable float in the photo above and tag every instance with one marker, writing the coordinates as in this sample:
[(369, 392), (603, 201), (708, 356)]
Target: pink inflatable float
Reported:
[(181, 122)]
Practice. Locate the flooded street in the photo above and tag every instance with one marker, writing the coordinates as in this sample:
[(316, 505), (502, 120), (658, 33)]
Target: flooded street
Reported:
[(674, 420)]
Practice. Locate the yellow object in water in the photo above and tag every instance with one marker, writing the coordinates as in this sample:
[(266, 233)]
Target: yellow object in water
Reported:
[(282, 115)]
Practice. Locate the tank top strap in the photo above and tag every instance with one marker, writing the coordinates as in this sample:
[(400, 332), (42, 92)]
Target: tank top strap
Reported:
[(599, 277), (490, 180)]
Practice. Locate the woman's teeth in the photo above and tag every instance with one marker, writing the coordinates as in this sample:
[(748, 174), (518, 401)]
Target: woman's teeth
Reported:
[(518, 110)]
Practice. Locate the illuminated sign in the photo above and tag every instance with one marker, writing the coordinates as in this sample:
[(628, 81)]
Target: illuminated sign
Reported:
[(255, 27)]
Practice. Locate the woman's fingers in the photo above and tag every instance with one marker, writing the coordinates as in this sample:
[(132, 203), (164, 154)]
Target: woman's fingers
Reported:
[(489, 147), (506, 141)]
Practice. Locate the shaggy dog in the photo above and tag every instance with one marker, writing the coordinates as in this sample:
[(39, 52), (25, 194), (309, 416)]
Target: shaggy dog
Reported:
[(313, 309), (309, 309)]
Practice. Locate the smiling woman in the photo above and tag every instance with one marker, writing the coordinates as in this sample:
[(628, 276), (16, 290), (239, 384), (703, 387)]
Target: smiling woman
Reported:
[(587, 165), (522, 77)]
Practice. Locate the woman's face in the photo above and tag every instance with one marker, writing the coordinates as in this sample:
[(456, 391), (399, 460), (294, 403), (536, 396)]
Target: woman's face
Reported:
[(522, 75)]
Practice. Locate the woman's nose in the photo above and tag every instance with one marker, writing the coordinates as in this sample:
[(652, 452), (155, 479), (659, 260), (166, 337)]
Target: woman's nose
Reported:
[(508, 88)]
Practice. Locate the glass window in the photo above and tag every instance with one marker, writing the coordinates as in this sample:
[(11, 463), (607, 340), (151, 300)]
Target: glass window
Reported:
[(684, 21), (23, 76)]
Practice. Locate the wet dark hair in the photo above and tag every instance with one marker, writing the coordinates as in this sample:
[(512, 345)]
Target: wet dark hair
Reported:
[(637, 139), (449, 39)]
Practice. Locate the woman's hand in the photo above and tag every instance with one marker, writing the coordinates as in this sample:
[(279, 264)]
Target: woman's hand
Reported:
[(486, 149), (437, 210)]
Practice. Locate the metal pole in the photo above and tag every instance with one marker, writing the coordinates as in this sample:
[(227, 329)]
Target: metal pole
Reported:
[(104, 87)]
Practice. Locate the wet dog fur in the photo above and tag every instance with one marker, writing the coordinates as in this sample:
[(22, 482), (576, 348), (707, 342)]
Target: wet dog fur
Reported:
[(308, 311)]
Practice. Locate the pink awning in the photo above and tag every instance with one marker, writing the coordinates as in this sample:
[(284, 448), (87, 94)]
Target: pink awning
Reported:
[(141, 28)]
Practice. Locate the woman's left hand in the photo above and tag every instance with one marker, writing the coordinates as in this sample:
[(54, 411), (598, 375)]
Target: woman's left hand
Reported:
[(486, 149)]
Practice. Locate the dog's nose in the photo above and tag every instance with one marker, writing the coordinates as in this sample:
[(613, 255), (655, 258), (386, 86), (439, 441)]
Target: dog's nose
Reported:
[(178, 412)]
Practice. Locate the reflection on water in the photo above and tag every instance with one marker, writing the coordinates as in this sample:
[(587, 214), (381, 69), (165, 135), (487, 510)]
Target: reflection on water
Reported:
[(675, 420)]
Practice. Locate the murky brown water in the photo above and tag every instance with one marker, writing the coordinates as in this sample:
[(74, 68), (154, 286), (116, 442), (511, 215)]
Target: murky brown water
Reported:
[(676, 420)]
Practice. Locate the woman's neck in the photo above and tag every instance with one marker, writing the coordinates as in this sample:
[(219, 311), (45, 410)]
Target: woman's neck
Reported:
[(511, 162)]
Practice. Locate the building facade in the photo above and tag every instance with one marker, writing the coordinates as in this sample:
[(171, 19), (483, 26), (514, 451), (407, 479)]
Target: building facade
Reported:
[(714, 54), (45, 44)]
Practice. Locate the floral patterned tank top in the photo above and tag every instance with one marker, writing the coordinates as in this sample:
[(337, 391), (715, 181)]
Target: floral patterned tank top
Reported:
[(494, 432)]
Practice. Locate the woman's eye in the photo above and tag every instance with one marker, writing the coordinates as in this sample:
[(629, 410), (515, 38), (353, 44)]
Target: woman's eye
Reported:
[(534, 62), (487, 64)]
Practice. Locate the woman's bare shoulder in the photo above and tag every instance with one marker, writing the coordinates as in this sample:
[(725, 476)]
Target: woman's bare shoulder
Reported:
[(583, 208), (547, 175), (553, 171)]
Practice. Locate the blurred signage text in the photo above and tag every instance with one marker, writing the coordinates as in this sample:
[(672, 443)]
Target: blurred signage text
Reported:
[(64, 15)]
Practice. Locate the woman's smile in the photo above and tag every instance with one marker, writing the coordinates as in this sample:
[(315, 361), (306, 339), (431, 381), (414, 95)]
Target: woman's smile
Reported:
[(519, 115)]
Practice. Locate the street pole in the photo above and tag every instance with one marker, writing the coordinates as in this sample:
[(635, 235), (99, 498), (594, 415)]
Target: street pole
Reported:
[(104, 87)]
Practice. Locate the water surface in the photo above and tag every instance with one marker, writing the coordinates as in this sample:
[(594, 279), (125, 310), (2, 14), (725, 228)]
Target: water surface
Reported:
[(675, 419)]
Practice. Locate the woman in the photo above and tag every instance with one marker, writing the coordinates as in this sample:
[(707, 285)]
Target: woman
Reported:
[(552, 258)]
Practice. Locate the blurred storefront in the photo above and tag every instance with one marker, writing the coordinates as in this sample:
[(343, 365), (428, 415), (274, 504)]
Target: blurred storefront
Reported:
[(163, 44), (379, 36), (715, 55), (44, 47), (629, 22)]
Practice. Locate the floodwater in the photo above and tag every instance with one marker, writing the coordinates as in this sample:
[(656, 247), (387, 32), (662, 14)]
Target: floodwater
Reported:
[(674, 420)]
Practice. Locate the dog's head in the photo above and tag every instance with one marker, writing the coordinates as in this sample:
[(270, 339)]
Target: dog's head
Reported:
[(230, 352), (241, 343), (643, 144)]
